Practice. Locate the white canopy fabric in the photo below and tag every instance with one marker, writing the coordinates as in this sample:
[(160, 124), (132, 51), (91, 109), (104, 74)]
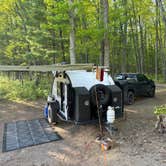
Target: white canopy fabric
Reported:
[(82, 78)]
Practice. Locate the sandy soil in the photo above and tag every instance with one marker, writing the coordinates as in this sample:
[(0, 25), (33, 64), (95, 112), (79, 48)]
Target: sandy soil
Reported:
[(136, 142)]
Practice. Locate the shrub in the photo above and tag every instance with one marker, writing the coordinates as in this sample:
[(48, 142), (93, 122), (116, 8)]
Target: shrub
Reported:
[(160, 110), (15, 90)]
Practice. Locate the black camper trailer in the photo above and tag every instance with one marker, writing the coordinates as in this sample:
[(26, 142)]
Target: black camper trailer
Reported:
[(76, 96)]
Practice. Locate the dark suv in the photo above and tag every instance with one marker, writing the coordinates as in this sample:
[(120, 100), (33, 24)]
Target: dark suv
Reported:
[(133, 85)]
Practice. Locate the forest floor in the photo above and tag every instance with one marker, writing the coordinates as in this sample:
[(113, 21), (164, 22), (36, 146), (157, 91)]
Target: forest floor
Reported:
[(137, 144)]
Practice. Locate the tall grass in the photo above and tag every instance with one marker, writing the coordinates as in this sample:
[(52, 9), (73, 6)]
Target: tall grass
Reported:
[(28, 90)]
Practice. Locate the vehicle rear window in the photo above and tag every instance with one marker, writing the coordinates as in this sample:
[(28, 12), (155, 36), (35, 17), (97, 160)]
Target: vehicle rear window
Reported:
[(125, 76), (131, 76), (119, 77)]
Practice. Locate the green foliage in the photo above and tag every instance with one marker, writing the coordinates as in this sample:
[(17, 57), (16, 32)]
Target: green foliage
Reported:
[(160, 110), (15, 90), (37, 32), (160, 78)]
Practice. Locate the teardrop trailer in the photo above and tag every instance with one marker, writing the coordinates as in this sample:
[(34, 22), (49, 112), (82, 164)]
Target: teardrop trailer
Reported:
[(76, 95)]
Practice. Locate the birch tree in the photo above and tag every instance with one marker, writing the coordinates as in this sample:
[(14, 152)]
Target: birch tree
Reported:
[(105, 45), (72, 33), (106, 34), (163, 12)]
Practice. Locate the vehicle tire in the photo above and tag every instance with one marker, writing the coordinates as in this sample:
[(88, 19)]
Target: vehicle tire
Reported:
[(130, 97), (52, 112), (103, 94), (151, 93)]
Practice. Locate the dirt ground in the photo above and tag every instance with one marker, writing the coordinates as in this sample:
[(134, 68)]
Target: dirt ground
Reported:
[(136, 142)]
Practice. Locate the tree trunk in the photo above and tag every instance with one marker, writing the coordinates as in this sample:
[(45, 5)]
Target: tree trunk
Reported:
[(101, 26), (136, 37), (124, 40), (72, 33), (157, 41), (102, 53), (135, 47), (62, 44), (53, 46), (105, 45), (20, 10), (160, 4), (85, 40), (106, 34), (142, 46)]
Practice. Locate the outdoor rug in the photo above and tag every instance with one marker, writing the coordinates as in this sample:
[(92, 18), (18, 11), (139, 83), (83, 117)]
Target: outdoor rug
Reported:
[(25, 133)]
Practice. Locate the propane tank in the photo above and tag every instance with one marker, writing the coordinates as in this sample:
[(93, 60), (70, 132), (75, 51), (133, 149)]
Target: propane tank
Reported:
[(110, 114)]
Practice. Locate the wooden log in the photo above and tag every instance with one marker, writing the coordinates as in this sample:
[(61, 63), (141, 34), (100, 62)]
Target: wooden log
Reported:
[(46, 68)]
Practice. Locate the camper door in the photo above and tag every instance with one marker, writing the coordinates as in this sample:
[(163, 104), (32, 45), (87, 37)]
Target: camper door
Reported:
[(62, 98)]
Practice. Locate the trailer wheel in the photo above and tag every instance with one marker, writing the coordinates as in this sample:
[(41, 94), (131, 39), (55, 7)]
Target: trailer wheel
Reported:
[(52, 112), (102, 93), (130, 97)]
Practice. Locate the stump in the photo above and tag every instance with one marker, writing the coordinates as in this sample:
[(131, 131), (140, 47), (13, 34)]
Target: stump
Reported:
[(161, 123)]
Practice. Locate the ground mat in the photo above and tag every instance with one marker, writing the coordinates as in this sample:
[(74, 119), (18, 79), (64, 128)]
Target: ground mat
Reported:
[(25, 133)]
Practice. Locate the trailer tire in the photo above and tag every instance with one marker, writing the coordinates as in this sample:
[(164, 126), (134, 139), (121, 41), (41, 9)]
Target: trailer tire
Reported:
[(52, 112), (103, 94)]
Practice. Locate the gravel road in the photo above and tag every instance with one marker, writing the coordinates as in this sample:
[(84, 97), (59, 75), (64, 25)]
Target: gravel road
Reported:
[(137, 144)]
